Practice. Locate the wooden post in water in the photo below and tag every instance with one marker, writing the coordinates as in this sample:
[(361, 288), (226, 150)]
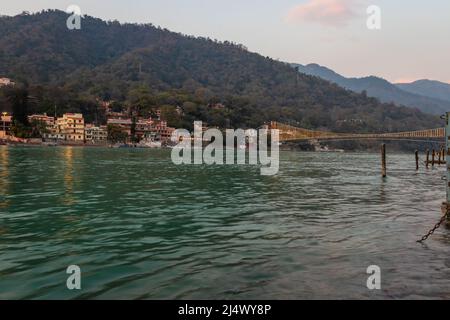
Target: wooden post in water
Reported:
[(428, 159), (383, 161), (447, 159), (432, 158), (417, 160)]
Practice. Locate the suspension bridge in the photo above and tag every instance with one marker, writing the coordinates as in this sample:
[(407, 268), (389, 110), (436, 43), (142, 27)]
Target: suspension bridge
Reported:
[(291, 133)]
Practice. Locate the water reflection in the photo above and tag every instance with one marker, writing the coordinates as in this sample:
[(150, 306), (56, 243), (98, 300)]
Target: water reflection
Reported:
[(144, 228), (4, 177), (68, 198)]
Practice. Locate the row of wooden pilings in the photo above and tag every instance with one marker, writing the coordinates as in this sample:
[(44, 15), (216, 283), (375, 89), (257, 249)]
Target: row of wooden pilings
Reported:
[(437, 158)]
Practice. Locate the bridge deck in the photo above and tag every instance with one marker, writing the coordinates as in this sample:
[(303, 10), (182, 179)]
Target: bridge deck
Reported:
[(291, 133)]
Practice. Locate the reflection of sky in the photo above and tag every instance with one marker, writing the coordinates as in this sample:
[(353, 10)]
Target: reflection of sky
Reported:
[(413, 42)]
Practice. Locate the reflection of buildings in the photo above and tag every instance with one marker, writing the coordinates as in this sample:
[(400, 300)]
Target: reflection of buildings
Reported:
[(68, 176), (5, 125), (4, 176)]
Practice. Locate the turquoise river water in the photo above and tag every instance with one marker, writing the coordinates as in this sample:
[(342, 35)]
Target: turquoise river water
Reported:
[(140, 227)]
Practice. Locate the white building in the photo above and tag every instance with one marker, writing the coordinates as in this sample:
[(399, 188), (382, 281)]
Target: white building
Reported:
[(6, 82), (94, 134)]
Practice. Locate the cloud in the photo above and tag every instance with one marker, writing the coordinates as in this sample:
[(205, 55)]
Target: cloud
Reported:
[(335, 13)]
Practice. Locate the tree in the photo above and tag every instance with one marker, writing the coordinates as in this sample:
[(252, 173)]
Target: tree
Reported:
[(19, 100), (116, 135), (38, 129)]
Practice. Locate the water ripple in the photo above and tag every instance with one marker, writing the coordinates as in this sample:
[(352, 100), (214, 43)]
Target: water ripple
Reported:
[(142, 228)]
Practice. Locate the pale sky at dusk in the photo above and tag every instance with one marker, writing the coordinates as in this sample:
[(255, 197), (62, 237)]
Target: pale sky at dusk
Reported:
[(414, 41)]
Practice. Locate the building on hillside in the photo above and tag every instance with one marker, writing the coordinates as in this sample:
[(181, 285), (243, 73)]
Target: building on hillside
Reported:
[(71, 127), (144, 128), (49, 121), (53, 134), (216, 106), (179, 110), (123, 124), (6, 82), (5, 125), (164, 132), (95, 134)]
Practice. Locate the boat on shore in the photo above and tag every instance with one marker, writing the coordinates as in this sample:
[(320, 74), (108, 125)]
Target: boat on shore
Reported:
[(121, 146), (49, 144), (149, 144)]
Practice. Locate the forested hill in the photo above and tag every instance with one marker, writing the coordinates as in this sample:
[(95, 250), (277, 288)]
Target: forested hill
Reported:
[(150, 67)]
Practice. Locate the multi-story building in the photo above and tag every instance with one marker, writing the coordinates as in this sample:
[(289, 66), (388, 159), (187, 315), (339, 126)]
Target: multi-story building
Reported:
[(71, 127), (124, 124), (164, 132), (51, 131), (94, 134), (5, 125), (144, 128), (49, 121)]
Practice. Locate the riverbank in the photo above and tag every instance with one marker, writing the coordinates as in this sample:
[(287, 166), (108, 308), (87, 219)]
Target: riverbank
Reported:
[(38, 143)]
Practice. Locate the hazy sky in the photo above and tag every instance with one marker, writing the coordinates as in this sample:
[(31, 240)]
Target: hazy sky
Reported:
[(414, 41)]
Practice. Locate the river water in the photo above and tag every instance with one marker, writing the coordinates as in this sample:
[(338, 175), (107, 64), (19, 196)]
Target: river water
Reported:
[(140, 227)]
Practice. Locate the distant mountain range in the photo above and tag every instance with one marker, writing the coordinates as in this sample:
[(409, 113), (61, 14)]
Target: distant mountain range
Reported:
[(428, 96), (428, 88)]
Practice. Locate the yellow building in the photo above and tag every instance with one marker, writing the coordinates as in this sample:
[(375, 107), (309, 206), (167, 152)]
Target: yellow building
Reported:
[(71, 126)]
